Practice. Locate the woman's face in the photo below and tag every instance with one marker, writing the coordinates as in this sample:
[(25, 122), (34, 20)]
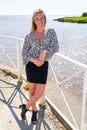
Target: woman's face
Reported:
[(39, 20)]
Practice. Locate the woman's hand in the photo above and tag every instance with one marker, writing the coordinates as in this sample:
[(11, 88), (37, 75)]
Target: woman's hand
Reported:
[(43, 55), (36, 61), (41, 59)]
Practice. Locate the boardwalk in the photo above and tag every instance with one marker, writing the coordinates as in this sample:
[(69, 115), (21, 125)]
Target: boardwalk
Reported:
[(11, 98)]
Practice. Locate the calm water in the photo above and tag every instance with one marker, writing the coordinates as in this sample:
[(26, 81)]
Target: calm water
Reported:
[(72, 37)]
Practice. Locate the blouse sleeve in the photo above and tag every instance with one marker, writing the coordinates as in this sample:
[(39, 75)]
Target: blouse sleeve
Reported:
[(26, 52), (53, 47)]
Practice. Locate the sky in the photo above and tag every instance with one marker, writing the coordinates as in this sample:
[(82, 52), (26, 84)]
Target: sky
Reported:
[(50, 7)]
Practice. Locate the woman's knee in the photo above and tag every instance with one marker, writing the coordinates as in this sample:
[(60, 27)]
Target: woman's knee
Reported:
[(38, 95)]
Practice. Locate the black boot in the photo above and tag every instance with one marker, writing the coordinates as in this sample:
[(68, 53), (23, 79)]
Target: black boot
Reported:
[(23, 112), (34, 117)]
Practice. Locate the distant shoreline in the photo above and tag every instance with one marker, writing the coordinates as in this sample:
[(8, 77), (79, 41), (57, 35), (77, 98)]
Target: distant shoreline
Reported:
[(74, 19)]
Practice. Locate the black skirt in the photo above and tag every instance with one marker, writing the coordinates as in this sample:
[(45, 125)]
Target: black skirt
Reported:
[(37, 74)]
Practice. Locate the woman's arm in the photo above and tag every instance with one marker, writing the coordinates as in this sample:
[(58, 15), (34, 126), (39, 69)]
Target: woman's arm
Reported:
[(26, 50), (43, 55), (53, 46), (41, 59)]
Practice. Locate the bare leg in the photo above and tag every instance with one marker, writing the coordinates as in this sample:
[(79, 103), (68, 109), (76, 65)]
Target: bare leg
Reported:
[(36, 91), (39, 90), (32, 89)]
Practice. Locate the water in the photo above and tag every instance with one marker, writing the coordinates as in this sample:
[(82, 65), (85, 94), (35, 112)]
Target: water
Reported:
[(15, 25), (72, 37)]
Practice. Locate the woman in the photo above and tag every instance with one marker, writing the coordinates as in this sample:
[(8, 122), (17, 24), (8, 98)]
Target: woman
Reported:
[(39, 46)]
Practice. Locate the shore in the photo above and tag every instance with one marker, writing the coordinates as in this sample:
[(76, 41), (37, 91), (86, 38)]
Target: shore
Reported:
[(74, 19)]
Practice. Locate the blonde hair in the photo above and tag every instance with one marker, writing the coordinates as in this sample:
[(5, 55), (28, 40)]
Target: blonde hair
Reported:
[(34, 27)]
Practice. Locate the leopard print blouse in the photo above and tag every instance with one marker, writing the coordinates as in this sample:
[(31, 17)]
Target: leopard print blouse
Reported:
[(32, 47)]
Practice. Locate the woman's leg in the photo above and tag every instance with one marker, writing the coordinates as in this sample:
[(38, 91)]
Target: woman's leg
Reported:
[(23, 106), (39, 90), (32, 89), (36, 90)]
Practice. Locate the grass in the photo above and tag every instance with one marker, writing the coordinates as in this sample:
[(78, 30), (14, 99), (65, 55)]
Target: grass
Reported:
[(81, 19)]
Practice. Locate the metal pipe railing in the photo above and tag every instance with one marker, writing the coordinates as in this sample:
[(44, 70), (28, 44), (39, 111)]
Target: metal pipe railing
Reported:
[(12, 37), (83, 69), (59, 85), (72, 60), (6, 53), (83, 127), (19, 59), (17, 69)]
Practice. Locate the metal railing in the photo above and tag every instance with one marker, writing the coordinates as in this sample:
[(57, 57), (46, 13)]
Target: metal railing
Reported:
[(17, 69), (59, 85)]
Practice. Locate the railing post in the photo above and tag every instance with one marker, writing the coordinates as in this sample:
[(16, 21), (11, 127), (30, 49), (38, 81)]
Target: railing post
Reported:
[(83, 126), (18, 59)]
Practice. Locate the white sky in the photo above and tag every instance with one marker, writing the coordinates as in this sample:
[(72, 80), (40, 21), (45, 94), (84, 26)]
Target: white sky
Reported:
[(51, 7)]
